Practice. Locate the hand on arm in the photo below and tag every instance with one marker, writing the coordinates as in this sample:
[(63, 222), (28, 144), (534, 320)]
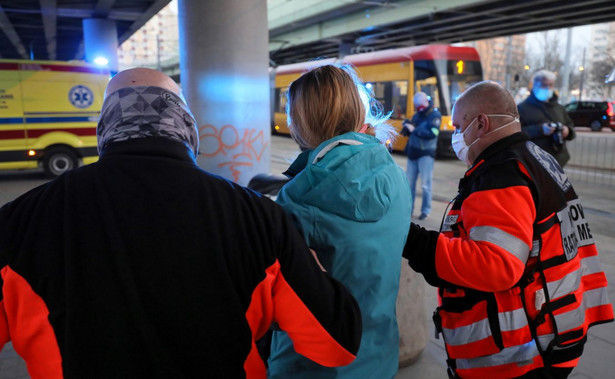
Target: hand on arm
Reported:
[(420, 251), (319, 314), (317, 261)]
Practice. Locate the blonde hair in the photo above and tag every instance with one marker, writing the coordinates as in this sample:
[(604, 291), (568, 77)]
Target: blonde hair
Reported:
[(330, 100)]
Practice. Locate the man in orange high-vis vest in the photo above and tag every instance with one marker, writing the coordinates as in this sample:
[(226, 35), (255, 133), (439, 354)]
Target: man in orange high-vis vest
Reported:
[(516, 265)]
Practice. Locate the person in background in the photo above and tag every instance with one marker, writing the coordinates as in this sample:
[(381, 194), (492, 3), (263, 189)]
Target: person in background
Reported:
[(142, 265), (351, 202), (423, 130), (518, 272), (545, 120)]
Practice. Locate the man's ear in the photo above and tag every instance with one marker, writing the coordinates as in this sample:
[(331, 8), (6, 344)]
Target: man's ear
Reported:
[(484, 125)]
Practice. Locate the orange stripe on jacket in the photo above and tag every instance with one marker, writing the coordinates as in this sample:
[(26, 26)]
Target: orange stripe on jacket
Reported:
[(259, 316), (309, 337), (28, 322), (274, 300)]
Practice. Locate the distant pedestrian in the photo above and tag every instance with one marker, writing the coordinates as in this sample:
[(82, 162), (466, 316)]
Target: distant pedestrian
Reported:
[(545, 120), (352, 203), (423, 130), (142, 265)]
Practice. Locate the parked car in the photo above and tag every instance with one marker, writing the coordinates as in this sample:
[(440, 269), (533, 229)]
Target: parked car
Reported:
[(592, 114)]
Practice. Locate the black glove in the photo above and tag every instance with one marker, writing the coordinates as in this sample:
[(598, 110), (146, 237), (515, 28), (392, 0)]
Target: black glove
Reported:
[(267, 184), (420, 251)]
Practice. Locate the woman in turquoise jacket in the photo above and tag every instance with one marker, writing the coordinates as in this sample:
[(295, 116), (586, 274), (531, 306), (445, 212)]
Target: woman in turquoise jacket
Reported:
[(352, 203)]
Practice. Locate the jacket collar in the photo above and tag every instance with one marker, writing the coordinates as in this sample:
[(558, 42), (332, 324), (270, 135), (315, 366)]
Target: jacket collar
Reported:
[(150, 146), (495, 148), (298, 164), (427, 110)]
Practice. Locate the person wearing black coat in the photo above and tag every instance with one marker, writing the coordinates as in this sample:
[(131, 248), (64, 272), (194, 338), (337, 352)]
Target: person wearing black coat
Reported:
[(546, 121)]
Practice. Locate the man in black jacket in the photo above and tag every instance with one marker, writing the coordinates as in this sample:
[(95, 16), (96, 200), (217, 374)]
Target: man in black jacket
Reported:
[(143, 265), (545, 120)]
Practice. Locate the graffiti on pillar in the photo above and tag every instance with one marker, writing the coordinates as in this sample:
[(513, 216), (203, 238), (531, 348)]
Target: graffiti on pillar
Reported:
[(241, 148)]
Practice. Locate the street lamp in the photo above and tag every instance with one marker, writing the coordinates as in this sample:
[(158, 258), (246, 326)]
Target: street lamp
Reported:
[(582, 69)]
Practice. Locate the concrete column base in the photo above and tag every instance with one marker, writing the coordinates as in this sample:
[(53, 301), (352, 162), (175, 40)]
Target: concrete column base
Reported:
[(411, 317)]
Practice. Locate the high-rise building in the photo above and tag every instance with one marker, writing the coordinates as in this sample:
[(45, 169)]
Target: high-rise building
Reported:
[(602, 51), (156, 42), (602, 41), (503, 59)]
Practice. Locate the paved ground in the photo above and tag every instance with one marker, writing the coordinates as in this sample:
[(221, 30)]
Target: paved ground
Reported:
[(598, 360)]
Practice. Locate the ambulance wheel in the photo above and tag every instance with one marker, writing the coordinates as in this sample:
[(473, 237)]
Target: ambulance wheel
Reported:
[(59, 160)]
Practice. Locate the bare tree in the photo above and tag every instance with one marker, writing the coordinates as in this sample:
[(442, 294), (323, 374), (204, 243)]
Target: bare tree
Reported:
[(547, 56)]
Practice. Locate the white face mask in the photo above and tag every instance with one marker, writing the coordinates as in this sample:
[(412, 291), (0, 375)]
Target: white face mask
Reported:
[(459, 143)]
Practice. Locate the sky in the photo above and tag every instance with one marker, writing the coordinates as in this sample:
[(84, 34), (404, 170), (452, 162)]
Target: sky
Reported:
[(581, 35)]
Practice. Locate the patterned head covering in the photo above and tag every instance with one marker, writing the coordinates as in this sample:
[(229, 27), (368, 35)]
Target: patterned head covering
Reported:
[(146, 111)]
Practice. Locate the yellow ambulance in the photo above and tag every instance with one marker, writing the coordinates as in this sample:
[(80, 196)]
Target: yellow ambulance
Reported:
[(48, 114)]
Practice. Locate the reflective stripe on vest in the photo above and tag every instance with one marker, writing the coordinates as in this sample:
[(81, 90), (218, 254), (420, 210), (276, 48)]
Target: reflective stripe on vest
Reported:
[(575, 319), (522, 353), (568, 284), (462, 335), (500, 238), (480, 330), (512, 320), (590, 265)]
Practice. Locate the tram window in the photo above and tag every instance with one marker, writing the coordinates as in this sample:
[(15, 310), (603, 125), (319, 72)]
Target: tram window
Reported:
[(280, 100), (276, 100), (430, 87), (392, 95), (458, 84), (425, 80)]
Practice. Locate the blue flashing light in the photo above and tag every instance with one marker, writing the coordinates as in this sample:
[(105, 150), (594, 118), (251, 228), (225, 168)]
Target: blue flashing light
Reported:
[(101, 61)]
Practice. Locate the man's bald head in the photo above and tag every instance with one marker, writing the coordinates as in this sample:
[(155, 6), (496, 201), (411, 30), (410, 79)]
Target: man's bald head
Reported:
[(484, 114), (486, 97), (136, 77), (142, 103)]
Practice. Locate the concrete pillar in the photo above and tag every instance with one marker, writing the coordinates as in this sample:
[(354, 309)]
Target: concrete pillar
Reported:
[(224, 59), (411, 318), (100, 42)]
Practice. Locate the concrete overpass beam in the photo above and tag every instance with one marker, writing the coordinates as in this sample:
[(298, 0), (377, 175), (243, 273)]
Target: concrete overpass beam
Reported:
[(366, 18)]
